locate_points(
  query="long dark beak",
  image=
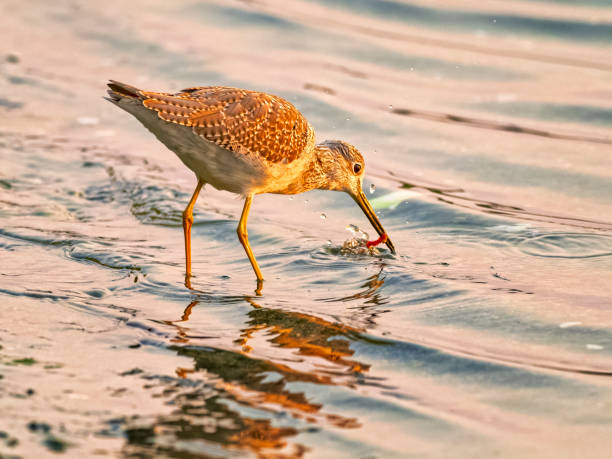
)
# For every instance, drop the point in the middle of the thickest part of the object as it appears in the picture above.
(363, 202)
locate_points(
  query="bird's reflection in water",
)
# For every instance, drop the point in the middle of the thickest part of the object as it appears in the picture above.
(309, 335)
(243, 399)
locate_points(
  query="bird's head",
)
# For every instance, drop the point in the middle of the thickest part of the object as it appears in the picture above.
(344, 168)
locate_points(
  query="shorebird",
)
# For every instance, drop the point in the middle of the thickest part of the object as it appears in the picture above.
(246, 142)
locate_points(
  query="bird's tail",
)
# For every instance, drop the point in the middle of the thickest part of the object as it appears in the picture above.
(118, 91)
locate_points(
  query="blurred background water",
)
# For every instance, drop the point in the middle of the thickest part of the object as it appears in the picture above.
(486, 131)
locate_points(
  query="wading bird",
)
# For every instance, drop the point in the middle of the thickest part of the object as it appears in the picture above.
(245, 142)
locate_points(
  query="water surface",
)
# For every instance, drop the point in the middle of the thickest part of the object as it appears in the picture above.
(486, 131)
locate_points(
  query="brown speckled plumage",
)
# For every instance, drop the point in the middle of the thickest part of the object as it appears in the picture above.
(240, 120)
(245, 142)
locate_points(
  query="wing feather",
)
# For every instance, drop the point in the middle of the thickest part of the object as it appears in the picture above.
(240, 120)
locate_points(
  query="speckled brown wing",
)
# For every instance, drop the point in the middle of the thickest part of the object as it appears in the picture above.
(240, 120)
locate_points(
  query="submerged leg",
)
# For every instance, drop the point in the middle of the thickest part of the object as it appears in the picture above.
(187, 222)
(243, 235)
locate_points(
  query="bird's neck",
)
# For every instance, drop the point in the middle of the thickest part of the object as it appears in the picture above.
(316, 174)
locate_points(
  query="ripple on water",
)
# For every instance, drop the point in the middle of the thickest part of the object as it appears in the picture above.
(568, 245)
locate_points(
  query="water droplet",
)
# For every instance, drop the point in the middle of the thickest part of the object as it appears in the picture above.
(329, 242)
(306, 201)
(372, 188)
(323, 216)
(390, 107)
(290, 198)
(357, 232)
(594, 347)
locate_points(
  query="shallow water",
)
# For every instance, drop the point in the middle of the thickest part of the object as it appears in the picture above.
(486, 133)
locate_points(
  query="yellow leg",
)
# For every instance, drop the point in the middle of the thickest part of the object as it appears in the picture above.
(243, 235)
(187, 222)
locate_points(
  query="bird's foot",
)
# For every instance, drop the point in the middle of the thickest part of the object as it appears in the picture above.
(188, 281)
(259, 287)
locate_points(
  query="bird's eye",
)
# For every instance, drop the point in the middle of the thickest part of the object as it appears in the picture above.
(356, 168)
